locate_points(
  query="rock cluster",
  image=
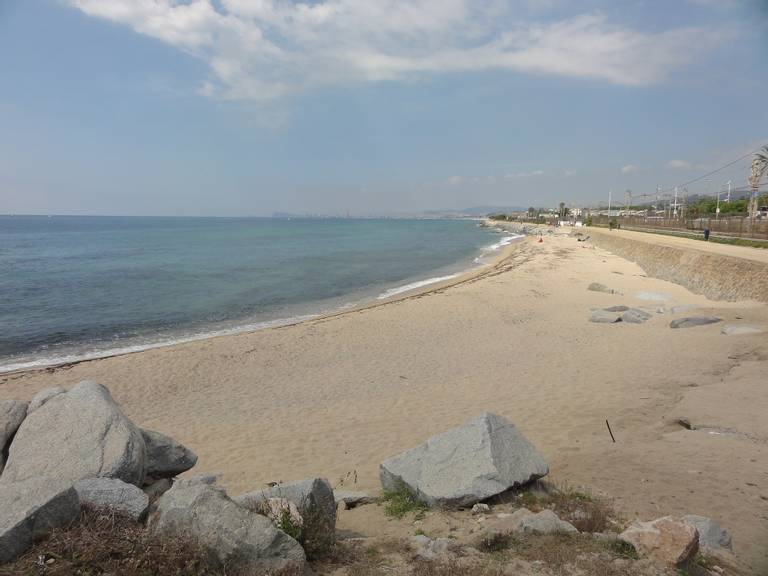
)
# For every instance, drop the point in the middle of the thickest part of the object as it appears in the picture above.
(72, 448)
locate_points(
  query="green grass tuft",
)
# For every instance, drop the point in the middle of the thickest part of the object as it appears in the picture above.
(400, 501)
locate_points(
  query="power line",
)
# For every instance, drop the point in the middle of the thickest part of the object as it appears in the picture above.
(723, 167)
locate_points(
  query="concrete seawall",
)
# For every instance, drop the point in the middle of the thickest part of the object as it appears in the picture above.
(716, 275)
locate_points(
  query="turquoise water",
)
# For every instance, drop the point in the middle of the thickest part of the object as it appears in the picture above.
(78, 287)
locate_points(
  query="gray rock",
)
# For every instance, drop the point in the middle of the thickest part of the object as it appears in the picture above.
(545, 522)
(481, 508)
(43, 396)
(621, 308)
(597, 287)
(428, 549)
(463, 466)
(158, 488)
(166, 458)
(712, 536)
(80, 434)
(12, 414)
(604, 317)
(30, 510)
(208, 479)
(233, 536)
(114, 495)
(313, 497)
(635, 316)
(351, 498)
(692, 321)
(739, 329)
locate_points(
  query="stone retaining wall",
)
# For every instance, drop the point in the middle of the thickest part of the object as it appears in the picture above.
(716, 276)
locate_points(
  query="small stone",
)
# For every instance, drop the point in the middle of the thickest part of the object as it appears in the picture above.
(114, 495)
(667, 539)
(597, 287)
(604, 317)
(480, 508)
(616, 309)
(739, 329)
(428, 549)
(692, 321)
(635, 316)
(352, 499)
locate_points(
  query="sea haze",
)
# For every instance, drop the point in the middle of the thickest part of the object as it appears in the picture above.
(79, 287)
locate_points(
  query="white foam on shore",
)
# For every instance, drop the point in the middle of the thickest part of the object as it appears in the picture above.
(96, 354)
(413, 285)
(93, 354)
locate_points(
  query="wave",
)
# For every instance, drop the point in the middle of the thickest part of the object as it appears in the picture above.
(95, 353)
(413, 285)
(84, 355)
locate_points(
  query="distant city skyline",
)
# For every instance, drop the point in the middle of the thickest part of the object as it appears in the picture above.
(251, 107)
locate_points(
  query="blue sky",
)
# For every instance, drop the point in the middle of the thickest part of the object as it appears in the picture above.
(248, 107)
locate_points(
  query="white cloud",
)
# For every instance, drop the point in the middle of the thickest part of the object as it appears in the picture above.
(263, 49)
(455, 180)
(569, 173)
(680, 164)
(629, 169)
(515, 175)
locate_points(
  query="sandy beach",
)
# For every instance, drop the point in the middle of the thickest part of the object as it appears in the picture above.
(340, 394)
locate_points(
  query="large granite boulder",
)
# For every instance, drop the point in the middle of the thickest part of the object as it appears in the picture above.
(114, 495)
(166, 457)
(313, 497)
(712, 537)
(43, 396)
(231, 535)
(667, 540)
(463, 466)
(79, 434)
(30, 510)
(12, 414)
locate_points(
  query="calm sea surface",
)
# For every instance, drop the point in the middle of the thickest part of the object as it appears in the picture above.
(74, 287)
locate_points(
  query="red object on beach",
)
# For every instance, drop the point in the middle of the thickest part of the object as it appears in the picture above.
(541, 239)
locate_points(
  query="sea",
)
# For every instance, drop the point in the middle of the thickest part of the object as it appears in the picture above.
(75, 288)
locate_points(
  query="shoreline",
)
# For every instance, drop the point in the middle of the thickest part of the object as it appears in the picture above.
(494, 258)
(335, 397)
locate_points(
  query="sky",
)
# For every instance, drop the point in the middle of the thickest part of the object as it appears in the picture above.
(251, 107)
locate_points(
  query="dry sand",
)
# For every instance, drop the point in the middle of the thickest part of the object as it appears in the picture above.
(340, 394)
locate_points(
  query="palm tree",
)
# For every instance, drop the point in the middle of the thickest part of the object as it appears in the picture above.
(759, 167)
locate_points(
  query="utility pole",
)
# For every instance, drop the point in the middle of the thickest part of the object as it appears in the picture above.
(717, 208)
(675, 209)
(627, 202)
(729, 191)
(610, 191)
